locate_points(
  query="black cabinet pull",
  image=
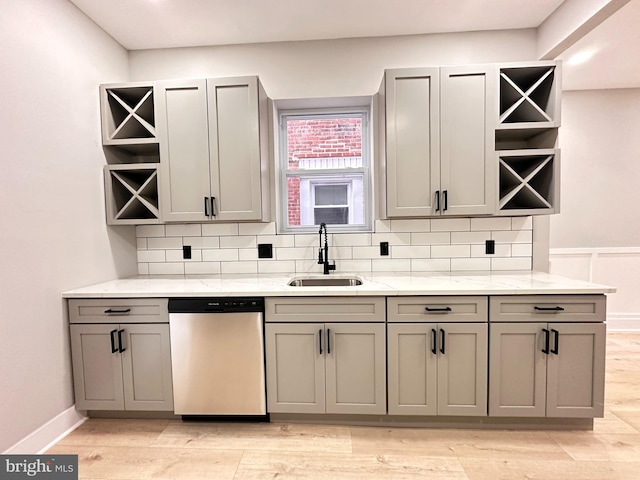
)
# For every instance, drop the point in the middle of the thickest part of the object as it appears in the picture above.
(112, 334)
(442, 341)
(320, 341)
(329, 341)
(545, 350)
(120, 349)
(446, 203)
(548, 309)
(113, 311)
(206, 206)
(438, 309)
(434, 341)
(213, 206)
(437, 200)
(556, 341)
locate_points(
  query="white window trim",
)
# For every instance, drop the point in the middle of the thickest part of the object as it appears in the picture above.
(284, 172)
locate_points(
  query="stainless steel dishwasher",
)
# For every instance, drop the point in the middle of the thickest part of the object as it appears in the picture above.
(217, 356)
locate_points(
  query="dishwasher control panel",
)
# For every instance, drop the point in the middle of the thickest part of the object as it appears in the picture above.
(216, 305)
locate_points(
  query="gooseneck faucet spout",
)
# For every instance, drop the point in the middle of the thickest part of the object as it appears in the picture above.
(323, 257)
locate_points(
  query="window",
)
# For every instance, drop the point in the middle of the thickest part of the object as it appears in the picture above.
(325, 171)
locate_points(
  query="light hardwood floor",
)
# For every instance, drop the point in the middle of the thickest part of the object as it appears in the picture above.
(171, 449)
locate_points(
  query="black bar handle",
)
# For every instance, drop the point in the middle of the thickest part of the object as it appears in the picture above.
(113, 340)
(114, 311)
(556, 340)
(545, 350)
(328, 341)
(206, 206)
(446, 202)
(437, 200)
(434, 341)
(120, 349)
(320, 341)
(442, 341)
(213, 206)
(438, 309)
(549, 309)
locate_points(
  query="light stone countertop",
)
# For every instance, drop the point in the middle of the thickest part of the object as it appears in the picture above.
(374, 284)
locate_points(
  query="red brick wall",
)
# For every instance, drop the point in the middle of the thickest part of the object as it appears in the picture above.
(337, 137)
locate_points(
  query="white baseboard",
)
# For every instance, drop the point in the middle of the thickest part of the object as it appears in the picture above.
(623, 322)
(50, 433)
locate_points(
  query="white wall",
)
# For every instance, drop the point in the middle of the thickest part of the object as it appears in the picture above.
(596, 236)
(332, 67)
(54, 236)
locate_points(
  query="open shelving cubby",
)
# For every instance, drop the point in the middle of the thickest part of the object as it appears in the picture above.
(132, 194)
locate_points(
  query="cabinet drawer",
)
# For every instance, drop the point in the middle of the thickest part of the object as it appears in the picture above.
(547, 308)
(325, 309)
(118, 310)
(437, 309)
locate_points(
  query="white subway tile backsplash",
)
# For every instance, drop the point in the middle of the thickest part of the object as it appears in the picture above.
(522, 223)
(150, 231)
(450, 251)
(241, 241)
(202, 268)
(184, 230)
(430, 265)
(433, 238)
(398, 265)
(470, 264)
(411, 225)
(239, 267)
(419, 245)
(518, 263)
(276, 266)
(164, 243)
(257, 228)
(501, 223)
(220, 255)
(166, 268)
(450, 224)
(516, 236)
(470, 237)
(408, 251)
(219, 229)
(151, 256)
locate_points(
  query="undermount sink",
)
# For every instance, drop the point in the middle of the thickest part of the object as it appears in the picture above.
(325, 282)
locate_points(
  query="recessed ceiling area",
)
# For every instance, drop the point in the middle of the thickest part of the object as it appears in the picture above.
(614, 42)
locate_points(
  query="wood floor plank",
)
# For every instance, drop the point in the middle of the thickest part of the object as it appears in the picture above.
(590, 446)
(631, 417)
(116, 432)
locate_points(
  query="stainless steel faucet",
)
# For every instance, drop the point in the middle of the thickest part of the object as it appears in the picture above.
(324, 259)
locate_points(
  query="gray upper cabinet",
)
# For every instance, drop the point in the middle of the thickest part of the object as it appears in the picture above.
(213, 150)
(440, 141)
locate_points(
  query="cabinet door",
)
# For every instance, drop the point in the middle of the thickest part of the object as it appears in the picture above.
(234, 136)
(462, 369)
(97, 372)
(412, 368)
(295, 367)
(184, 149)
(575, 370)
(146, 367)
(412, 141)
(518, 370)
(467, 165)
(356, 368)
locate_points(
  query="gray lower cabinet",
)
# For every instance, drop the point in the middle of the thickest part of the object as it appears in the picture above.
(121, 365)
(547, 369)
(437, 368)
(326, 368)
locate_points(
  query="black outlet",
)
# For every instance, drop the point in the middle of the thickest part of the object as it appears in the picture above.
(265, 250)
(384, 249)
(490, 247)
(186, 252)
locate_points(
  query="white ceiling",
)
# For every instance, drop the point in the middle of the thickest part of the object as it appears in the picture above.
(148, 24)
